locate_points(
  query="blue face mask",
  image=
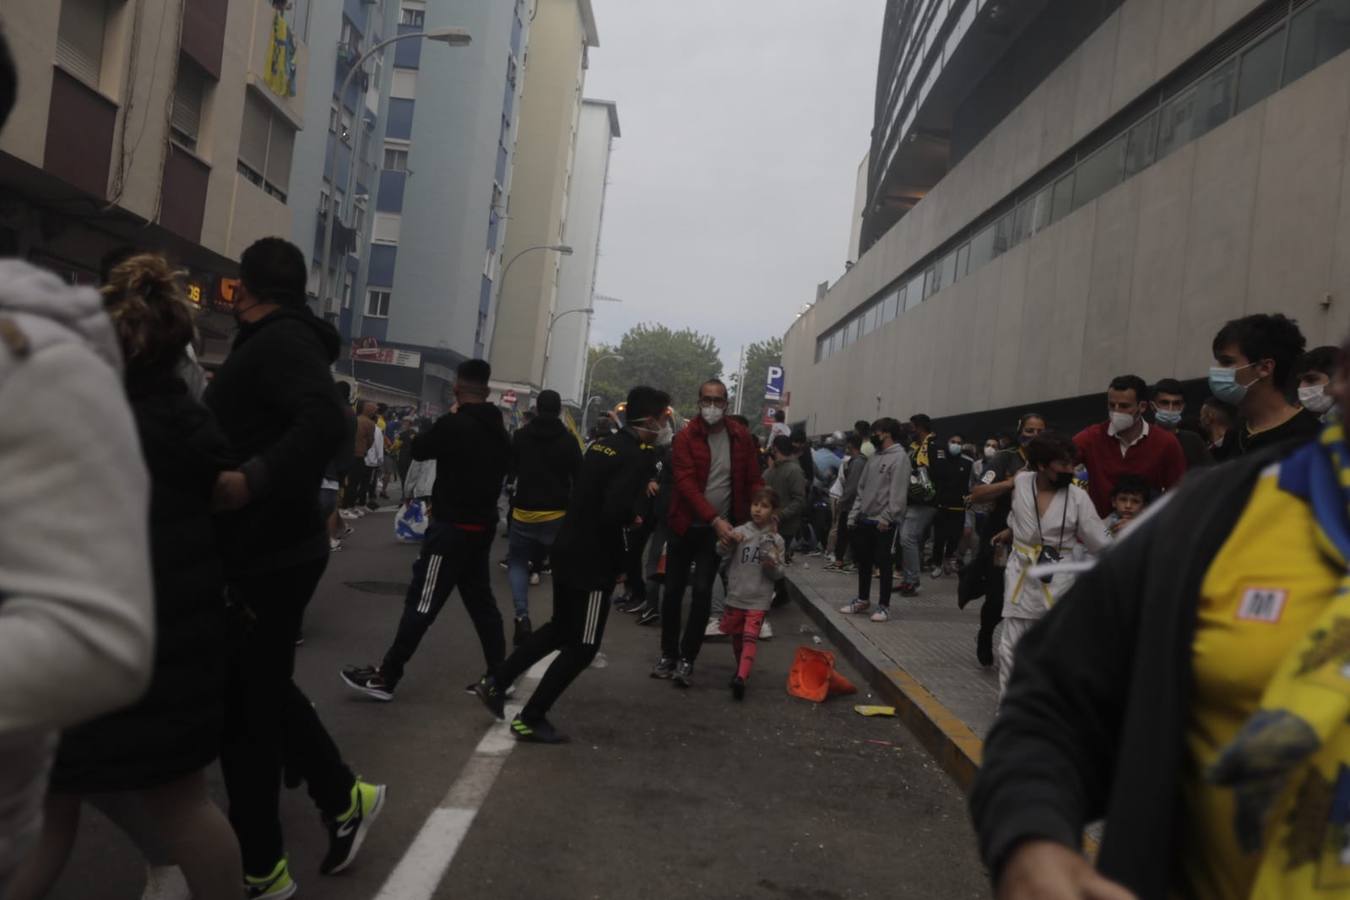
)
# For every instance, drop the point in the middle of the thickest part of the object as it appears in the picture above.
(1168, 418)
(1223, 384)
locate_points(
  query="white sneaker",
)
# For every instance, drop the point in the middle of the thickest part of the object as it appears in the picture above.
(360, 511)
(347, 514)
(534, 578)
(334, 545)
(165, 883)
(855, 607)
(881, 615)
(714, 628)
(937, 572)
(766, 631)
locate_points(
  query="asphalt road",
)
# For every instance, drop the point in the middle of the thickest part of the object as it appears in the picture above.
(662, 793)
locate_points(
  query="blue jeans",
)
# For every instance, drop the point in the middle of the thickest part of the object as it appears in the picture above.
(917, 520)
(529, 542)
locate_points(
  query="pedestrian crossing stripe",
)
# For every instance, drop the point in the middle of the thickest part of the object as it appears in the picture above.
(1262, 605)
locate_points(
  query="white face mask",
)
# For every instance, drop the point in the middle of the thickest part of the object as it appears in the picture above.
(1121, 422)
(989, 452)
(711, 414)
(665, 435)
(954, 449)
(1315, 398)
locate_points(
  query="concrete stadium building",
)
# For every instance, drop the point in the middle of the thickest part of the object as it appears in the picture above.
(1062, 191)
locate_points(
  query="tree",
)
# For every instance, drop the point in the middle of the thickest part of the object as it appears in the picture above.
(758, 357)
(674, 361)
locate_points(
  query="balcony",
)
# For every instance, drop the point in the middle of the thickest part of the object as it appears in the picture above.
(185, 180)
(79, 134)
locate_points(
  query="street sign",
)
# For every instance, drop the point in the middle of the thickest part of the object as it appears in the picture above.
(773, 385)
(509, 398)
(368, 350)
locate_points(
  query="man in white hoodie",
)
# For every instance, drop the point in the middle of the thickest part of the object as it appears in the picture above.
(76, 609)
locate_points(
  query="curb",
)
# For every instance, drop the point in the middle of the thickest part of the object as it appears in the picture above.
(956, 748)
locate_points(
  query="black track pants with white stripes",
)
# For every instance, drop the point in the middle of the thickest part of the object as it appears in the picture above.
(451, 558)
(575, 631)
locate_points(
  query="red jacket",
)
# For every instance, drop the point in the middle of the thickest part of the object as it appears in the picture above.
(690, 460)
(1157, 458)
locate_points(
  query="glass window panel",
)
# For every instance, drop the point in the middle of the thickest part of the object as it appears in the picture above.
(1100, 172)
(1021, 224)
(1199, 109)
(1140, 145)
(914, 292)
(835, 340)
(930, 278)
(1061, 201)
(1319, 32)
(279, 154)
(1003, 231)
(253, 133)
(946, 271)
(867, 322)
(850, 332)
(892, 306)
(981, 248)
(1259, 70)
(962, 260)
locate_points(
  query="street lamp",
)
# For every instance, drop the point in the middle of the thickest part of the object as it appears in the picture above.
(453, 37)
(586, 391)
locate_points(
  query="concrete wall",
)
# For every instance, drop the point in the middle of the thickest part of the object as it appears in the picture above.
(549, 110)
(576, 284)
(1255, 216)
(453, 155)
(859, 204)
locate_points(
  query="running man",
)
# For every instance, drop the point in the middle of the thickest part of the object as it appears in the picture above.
(471, 448)
(588, 555)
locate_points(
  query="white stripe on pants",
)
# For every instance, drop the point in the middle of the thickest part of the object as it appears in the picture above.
(429, 584)
(592, 617)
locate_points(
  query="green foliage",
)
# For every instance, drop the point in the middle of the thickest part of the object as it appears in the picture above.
(674, 361)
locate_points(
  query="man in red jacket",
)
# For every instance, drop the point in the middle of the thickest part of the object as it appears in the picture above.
(716, 469)
(1127, 445)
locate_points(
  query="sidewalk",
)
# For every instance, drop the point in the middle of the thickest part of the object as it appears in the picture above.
(922, 661)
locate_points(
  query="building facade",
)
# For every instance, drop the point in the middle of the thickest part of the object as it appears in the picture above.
(125, 134)
(563, 33)
(1177, 164)
(566, 354)
(423, 225)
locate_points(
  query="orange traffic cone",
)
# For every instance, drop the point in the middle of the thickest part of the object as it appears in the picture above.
(812, 676)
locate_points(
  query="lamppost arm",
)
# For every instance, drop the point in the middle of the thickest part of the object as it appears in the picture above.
(452, 36)
(586, 389)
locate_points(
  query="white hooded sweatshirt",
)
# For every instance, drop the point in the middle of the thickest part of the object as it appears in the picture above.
(76, 604)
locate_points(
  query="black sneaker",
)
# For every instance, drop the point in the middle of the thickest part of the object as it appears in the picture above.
(369, 681)
(631, 604)
(541, 732)
(905, 589)
(684, 673)
(649, 616)
(347, 833)
(738, 687)
(523, 631)
(503, 564)
(493, 699)
(664, 668)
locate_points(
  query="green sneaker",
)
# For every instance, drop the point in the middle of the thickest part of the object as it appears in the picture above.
(278, 885)
(541, 732)
(347, 832)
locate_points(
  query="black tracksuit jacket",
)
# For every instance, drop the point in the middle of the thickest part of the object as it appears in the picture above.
(471, 449)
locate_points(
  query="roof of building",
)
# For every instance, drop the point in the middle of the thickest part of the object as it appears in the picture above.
(613, 112)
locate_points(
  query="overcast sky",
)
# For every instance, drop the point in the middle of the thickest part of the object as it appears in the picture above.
(731, 189)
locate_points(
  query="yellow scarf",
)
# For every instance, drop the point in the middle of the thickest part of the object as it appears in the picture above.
(1289, 765)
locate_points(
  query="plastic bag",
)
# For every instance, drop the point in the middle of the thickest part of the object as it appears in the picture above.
(921, 487)
(410, 525)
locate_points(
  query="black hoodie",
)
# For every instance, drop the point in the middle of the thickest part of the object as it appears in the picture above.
(275, 401)
(545, 460)
(471, 449)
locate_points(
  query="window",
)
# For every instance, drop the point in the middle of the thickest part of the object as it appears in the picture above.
(1198, 110)
(962, 259)
(1003, 234)
(186, 119)
(333, 119)
(1100, 172)
(1318, 32)
(1032, 215)
(1259, 70)
(1061, 201)
(914, 292)
(415, 18)
(347, 285)
(346, 126)
(386, 229)
(358, 216)
(930, 282)
(981, 247)
(946, 271)
(266, 141)
(405, 85)
(894, 303)
(377, 304)
(1141, 145)
(850, 332)
(79, 38)
(324, 201)
(395, 158)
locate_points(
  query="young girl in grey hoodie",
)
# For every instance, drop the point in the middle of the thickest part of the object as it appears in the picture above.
(757, 552)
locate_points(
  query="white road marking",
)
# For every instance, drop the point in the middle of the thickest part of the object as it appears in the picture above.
(420, 871)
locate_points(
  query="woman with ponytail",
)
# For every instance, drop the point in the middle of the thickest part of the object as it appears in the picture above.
(154, 754)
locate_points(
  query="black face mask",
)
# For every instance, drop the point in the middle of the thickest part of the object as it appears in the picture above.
(876, 441)
(1061, 480)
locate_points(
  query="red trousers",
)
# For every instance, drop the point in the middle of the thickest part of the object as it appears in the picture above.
(743, 625)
